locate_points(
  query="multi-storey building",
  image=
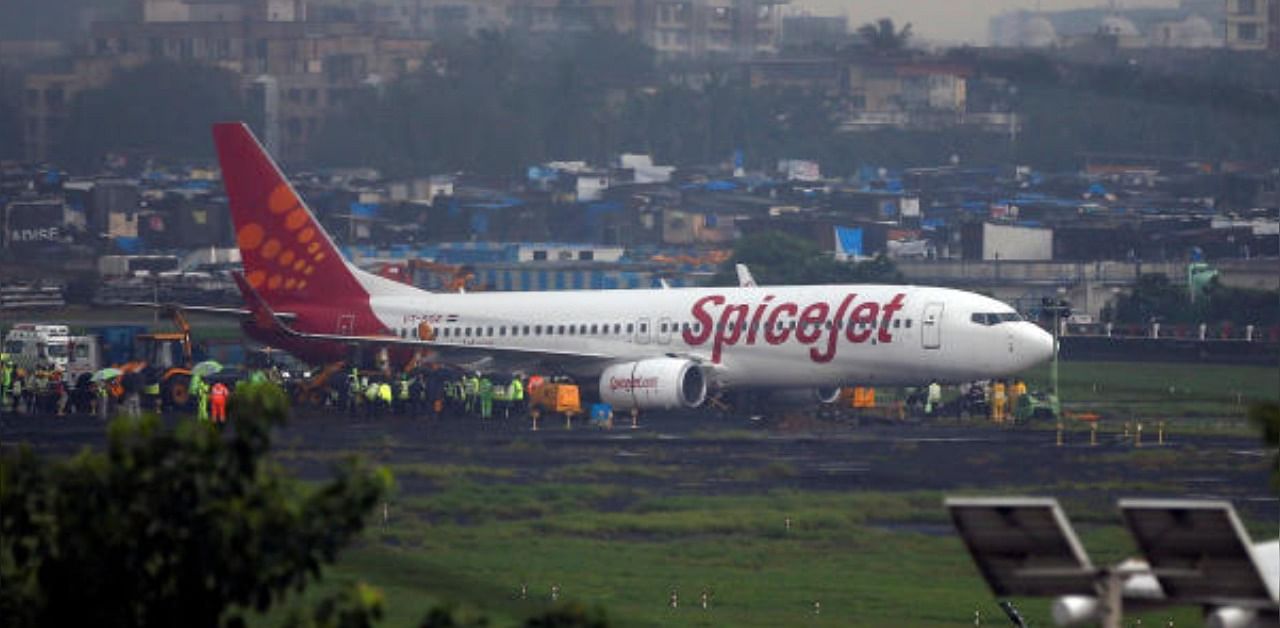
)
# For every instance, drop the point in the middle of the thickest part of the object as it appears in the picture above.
(296, 71)
(1249, 24)
(675, 28)
(1273, 25)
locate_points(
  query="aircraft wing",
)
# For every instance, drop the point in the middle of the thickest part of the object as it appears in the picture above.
(207, 309)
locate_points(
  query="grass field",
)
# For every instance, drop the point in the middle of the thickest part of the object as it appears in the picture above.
(1161, 391)
(866, 571)
(621, 533)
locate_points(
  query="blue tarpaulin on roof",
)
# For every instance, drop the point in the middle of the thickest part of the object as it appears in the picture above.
(719, 185)
(849, 241)
(128, 245)
(503, 202)
(365, 210)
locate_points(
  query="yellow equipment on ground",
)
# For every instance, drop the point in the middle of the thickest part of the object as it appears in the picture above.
(556, 397)
(864, 397)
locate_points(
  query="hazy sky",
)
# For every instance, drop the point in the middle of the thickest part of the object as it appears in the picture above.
(949, 20)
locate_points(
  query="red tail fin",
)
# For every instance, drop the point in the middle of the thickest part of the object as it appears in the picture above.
(288, 257)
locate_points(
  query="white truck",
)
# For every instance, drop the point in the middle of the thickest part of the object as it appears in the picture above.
(36, 345)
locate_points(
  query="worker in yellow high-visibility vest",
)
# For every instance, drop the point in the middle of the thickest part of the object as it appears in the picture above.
(999, 401)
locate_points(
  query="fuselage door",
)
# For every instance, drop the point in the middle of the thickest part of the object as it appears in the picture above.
(347, 325)
(642, 331)
(931, 326)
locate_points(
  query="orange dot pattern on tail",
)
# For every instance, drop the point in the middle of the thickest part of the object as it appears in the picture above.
(280, 266)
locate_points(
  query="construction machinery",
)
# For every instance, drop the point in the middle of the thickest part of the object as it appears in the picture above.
(313, 390)
(166, 357)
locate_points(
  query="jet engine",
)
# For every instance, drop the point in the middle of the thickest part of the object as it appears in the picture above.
(805, 396)
(657, 383)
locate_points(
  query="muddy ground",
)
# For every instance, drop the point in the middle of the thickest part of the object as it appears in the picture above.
(696, 454)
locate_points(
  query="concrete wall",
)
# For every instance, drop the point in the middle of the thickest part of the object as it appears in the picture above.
(1009, 242)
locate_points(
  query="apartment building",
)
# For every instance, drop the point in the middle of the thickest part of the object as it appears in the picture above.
(675, 28)
(298, 71)
(1251, 24)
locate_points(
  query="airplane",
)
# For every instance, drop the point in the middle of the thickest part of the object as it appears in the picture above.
(646, 349)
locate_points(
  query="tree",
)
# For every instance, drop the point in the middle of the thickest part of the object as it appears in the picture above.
(881, 35)
(162, 110)
(176, 527)
(1154, 297)
(777, 258)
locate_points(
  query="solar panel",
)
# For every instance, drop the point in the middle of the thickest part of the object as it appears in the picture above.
(1023, 545)
(1198, 551)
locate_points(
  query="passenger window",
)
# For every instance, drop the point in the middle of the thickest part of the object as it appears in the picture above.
(631, 328)
(468, 332)
(897, 323)
(617, 328)
(525, 331)
(595, 329)
(571, 330)
(582, 329)
(560, 330)
(908, 323)
(502, 331)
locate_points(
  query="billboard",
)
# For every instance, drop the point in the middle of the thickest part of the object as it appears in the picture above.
(30, 225)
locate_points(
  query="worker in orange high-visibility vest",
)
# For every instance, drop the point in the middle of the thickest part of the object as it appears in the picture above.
(218, 400)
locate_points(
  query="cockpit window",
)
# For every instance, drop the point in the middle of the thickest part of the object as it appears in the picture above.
(995, 318)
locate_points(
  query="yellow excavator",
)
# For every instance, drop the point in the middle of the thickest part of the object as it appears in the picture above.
(166, 357)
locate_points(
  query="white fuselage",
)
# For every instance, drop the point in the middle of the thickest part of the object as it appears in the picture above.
(765, 337)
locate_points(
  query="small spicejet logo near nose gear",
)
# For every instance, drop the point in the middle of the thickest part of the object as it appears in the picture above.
(727, 324)
(288, 259)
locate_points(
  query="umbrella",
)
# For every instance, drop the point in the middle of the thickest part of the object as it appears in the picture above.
(206, 368)
(105, 374)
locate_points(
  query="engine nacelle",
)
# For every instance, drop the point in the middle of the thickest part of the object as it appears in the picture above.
(828, 395)
(804, 396)
(654, 384)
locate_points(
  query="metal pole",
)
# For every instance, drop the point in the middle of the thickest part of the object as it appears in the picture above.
(1053, 367)
(1112, 600)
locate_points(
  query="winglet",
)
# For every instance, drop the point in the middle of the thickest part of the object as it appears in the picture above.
(745, 280)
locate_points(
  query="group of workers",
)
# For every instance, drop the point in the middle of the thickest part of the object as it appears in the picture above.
(46, 391)
(432, 392)
(995, 399)
(39, 390)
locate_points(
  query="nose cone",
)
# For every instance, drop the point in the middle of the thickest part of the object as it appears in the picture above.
(1036, 346)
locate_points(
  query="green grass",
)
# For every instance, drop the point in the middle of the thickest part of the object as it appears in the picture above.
(1153, 391)
(842, 550)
